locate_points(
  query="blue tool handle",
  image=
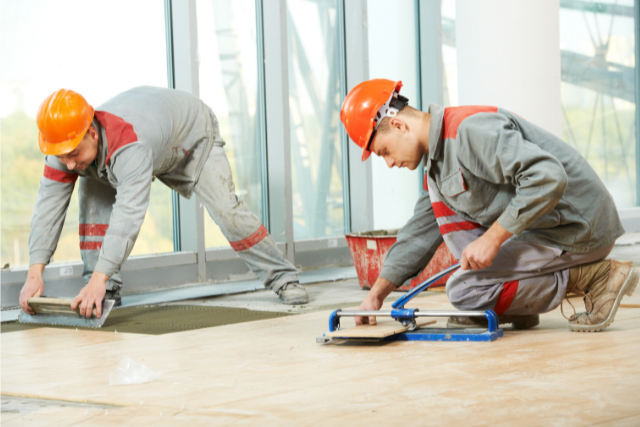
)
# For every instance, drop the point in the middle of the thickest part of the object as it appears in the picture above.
(422, 286)
(492, 318)
(404, 314)
(334, 321)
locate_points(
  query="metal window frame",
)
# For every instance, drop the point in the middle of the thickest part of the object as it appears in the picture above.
(637, 45)
(430, 65)
(276, 77)
(357, 70)
(344, 138)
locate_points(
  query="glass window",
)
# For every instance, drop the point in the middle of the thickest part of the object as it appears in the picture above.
(449, 53)
(597, 46)
(103, 53)
(393, 29)
(229, 85)
(314, 102)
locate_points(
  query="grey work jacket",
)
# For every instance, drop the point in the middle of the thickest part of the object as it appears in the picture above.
(145, 132)
(488, 164)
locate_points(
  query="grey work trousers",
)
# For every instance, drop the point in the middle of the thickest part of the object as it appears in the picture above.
(245, 232)
(525, 278)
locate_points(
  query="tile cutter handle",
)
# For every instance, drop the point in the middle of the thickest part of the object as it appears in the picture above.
(400, 303)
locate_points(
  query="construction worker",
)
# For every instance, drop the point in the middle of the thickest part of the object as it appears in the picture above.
(117, 151)
(526, 216)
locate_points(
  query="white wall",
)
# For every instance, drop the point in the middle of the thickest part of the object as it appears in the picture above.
(392, 55)
(509, 56)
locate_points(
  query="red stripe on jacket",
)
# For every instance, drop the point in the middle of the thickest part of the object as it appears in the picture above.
(453, 116)
(440, 210)
(59, 176)
(119, 133)
(90, 246)
(505, 299)
(458, 226)
(93, 229)
(244, 244)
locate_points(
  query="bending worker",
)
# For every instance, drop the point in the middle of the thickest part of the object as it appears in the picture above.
(116, 151)
(528, 218)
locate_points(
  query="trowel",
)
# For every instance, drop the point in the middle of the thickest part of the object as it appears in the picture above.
(57, 311)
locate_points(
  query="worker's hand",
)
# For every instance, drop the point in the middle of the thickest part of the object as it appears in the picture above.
(369, 303)
(33, 287)
(91, 295)
(374, 300)
(480, 253)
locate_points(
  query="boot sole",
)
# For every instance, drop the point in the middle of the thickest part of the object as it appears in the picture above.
(627, 289)
(295, 301)
(518, 324)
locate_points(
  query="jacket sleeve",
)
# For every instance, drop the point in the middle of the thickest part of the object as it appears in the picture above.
(416, 244)
(50, 210)
(132, 167)
(492, 148)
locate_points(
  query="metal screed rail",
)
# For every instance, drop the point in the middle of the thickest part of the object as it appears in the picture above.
(407, 317)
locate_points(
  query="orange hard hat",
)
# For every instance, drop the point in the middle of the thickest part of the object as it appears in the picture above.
(362, 109)
(63, 119)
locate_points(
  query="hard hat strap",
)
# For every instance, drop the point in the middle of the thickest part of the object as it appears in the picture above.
(394, 104)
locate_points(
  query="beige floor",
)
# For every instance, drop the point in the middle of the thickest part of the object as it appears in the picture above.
(272, 372)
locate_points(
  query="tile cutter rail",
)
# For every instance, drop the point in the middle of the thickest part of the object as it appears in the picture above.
(407, 317)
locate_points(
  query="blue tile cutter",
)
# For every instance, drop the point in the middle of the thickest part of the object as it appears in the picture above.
(408, 316)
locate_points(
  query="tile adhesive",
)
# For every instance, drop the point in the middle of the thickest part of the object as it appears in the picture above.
(158, 320)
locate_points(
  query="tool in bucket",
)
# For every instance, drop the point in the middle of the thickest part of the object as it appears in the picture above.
(57, 312)
(408, 328)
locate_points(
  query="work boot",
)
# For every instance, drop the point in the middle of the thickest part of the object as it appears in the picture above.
(114, 295)
(603, 284)
(293, 294)
(518, 322)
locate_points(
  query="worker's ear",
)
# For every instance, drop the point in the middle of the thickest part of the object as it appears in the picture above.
(399, 124)
(92, 132)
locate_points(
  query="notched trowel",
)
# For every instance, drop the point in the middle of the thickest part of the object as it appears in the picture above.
(57, 311)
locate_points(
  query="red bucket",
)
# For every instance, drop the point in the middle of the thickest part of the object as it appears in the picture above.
(369, 248)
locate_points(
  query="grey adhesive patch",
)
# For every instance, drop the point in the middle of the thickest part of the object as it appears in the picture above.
(26, 405)
(165, 319)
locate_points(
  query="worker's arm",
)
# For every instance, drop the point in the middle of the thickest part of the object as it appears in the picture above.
(132, 166)
(50, 210)
(480, 253)
(33, 287)
(91, 295)
(52, 201)
(492, 148)
(416, 243)
(374, 300)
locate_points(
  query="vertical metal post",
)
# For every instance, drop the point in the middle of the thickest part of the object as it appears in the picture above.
(431, 68)
(416, 5)
(276, 77)
(189, 214)
(261, 119)
(637, 44)
(357, 71)
(419, 82)
(175, 200)
(344, 139)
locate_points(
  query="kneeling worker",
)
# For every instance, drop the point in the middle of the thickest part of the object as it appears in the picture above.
(116, 152)
(528, 218)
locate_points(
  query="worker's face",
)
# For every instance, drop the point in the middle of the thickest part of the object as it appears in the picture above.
(399, 147)
(84, 154)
